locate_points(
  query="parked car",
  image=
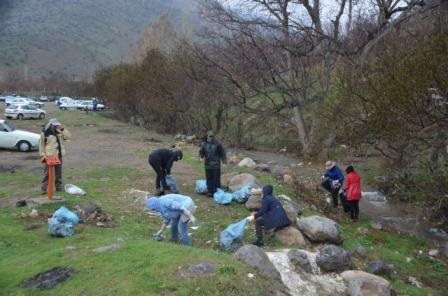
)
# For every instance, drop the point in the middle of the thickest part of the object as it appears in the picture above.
(43, 98)
(10, 138)
(24, 101)
(23, 112)
(88, 105)
(69, 105)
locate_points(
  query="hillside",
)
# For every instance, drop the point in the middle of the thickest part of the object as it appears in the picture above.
(40, 37)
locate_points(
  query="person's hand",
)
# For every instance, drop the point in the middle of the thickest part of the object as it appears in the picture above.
(192, 219)
(250, 218)
(158, 236)
(323, 177)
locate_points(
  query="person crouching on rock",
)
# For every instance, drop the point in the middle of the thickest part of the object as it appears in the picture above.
(176, 209)
(270, 216)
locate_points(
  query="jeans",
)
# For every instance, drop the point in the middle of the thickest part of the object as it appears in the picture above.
(177, 224)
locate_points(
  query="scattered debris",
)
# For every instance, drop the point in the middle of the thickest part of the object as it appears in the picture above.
(107, 248)
(92, 214)
(48, 279)
(433, 253)
(21, 203)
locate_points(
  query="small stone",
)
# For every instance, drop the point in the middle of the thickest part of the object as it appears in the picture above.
(360, 251)
(408, 259)
(250, 275)
(376, 225)
(413, 281)
(433, 253)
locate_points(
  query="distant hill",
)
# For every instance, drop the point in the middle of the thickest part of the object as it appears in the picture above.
(76, 37)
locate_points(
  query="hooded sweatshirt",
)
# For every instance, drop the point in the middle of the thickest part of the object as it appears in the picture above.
(171, 206)
(272, 211)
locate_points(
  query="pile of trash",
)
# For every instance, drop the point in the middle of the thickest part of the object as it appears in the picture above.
(92, 214)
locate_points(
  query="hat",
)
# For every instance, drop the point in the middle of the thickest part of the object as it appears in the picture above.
(329, 164)
(54, 121)
(210, 134)
(152, 202)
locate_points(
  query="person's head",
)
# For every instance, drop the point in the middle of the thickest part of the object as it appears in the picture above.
(53, 124)
(210, 136)
(329, 165)
(179, 155)
(349, 169)
(267, 190)
(151, 203)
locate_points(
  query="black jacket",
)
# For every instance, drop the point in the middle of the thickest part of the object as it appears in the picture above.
(271, 210)
(213, 153)
(163, 158)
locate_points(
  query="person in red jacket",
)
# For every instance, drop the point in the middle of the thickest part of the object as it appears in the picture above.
(353, 190)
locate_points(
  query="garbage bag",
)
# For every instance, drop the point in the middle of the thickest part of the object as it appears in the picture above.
(201, 186)
(232, 234)
(172, 184)
(65, 214)
(242, 195)
(60, 227)
(221, 197)
(73, 189)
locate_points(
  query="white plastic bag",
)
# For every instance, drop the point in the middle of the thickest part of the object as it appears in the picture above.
(73, 189)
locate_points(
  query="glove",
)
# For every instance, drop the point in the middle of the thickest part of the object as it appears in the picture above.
(158, 236)
(250, 218)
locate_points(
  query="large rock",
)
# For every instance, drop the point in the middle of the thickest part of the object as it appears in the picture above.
(360, 283)
(299, 259)
(233, 159)
(262, 167)
(225, 179)
(253, 203)
(379, 267)
(239, 181)
(247, 162)
(257, 258)
(332, 258)
(320, 230)
(292, 209)
(290, 236)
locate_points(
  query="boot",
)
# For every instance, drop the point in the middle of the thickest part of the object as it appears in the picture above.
(258, 243)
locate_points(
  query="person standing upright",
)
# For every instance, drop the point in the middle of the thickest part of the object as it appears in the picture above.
(332, 180)
(51, 143)
(353, 190)
(213, 154)
(161, 160)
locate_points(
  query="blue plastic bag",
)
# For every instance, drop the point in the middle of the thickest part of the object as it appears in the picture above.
(65, 213)
(232, 234)
(201, 186)
(242, 195)
(60, 227)
(62, 223)
(172, 183)
(221, 197)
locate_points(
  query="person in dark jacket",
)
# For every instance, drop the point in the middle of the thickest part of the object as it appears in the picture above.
(272, 215)
(161, 160)
(213, 153)
(332, 180)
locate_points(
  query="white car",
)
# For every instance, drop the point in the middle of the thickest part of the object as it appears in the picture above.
(25, 101)
(88, 105)
(11, 138)
(69, 105)
(43, 98)
(24, 111)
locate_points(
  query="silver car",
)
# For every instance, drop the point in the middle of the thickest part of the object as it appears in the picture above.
(24, 111)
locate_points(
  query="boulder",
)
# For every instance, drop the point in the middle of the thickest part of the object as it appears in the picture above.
(225, 179)
(379, 267)
(290, 236)
(233, 159)
(320, 229)
(262, 167)
(239, 181)
(247, 162)
(257, 258)
(332, 258)
(253, 203)
(299, 259)
(360, 283)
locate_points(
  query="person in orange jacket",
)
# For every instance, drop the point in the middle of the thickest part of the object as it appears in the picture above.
(353, 190)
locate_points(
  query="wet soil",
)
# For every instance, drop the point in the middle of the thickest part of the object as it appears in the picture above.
(48, 279)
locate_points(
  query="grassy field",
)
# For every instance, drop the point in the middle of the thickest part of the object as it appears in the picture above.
(108, 158)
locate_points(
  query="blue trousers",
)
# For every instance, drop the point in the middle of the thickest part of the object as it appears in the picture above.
(177, 224)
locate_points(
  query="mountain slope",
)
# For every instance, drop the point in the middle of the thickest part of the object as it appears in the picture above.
(76, 37)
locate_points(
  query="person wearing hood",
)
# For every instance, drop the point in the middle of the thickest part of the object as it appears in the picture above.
(213, 153)
(161, 160)
(177, 210)
(332, 180)
(271, 215)
(51, 143)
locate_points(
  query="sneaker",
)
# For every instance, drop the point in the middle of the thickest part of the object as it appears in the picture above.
(258, 243)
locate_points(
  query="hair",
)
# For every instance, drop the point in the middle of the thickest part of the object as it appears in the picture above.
(349, 169)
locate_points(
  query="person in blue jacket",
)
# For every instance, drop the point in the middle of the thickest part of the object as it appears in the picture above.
(175, 209)
(272, 215)
(332, 180)
(161, 160)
